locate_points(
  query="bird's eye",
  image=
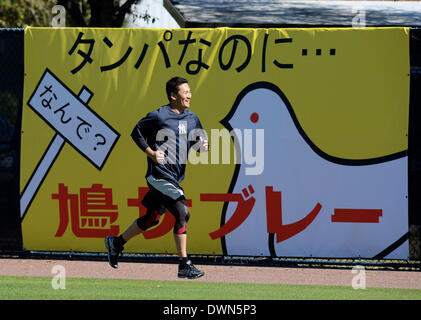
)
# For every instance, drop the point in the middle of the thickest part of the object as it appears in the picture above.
(254, 117)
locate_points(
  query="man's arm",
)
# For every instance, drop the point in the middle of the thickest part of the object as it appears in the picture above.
(143, 128)
(156, 156)
(202, 144)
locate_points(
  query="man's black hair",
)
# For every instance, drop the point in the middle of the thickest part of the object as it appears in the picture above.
(172, 86)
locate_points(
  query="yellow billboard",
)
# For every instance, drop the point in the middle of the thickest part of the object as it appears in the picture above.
(344, 92)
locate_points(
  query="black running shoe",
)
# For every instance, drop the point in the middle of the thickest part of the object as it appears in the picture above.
(189, 271)
(113, 251)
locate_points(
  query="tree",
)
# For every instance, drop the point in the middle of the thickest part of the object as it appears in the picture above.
(22, 13)
(79, 13)
(102, 13)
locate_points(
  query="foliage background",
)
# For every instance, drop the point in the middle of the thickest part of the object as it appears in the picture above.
(79, 13)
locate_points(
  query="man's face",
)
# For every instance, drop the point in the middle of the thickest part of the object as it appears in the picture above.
(183, 96)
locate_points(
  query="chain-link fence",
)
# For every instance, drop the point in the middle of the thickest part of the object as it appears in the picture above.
(11, 89)
(414, 148)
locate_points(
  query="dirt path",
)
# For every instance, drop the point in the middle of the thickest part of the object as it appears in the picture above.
(239, 274)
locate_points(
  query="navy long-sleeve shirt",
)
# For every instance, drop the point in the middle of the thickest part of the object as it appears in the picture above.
(171, 132)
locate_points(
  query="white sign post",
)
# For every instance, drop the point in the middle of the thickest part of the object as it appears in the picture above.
(74, 122)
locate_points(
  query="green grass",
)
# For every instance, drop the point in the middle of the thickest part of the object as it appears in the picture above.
(40, 288)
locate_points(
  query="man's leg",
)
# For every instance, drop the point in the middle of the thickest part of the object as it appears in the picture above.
(115, 245)
(181, 244)
(132, 231)
(181, 213)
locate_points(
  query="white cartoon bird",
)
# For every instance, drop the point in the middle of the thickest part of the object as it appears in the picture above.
(308, 203)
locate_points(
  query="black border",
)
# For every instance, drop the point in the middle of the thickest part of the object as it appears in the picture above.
(392, 247)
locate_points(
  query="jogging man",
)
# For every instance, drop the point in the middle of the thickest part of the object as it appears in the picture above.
(166, 136)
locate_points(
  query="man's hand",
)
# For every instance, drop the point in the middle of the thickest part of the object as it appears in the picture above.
(156, 156)
(204, 144)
